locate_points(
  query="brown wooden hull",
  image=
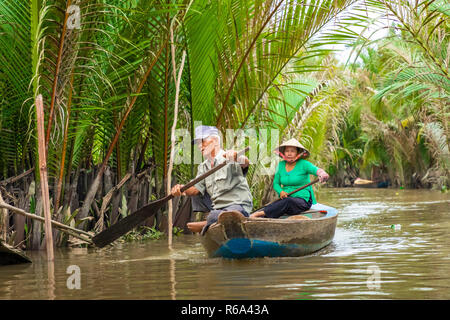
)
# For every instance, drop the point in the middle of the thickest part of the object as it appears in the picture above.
(235, 236)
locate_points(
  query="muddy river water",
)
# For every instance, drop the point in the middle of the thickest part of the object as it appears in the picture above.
(368, 259)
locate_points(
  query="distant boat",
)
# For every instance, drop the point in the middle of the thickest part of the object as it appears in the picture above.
(363, 183)
(235, 236)
(11, 255)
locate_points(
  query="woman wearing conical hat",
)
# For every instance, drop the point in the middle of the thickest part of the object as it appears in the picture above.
(292, 173)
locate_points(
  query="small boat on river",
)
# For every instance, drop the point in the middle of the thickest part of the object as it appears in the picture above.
(363, 183)
(11, 255)
(236, 237)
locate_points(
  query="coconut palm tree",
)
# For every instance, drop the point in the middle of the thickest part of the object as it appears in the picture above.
(103, 70)
(90, 60)
(400, 95)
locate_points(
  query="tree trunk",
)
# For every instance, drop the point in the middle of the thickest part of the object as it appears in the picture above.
(145, 196)
(73, 197)
(4, 223)
(19, 221)
(99, 194)
(24, 203)
(90, 196)
(161, 218)
(36, 233)
(108, 180)
(115, 207)
(134, 193)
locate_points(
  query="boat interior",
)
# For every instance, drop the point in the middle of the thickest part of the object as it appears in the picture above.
(311, 215)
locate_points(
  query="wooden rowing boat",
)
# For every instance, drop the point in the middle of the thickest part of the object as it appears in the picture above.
(363, 183)
(235, 236)
(11, 255)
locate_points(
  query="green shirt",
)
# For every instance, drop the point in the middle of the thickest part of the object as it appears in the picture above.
(226, 186)
(294, 179)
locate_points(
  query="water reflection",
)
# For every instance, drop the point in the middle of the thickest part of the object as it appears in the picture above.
(413, 262)
(51, 280)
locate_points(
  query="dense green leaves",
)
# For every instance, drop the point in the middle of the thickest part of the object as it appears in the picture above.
(254, 65)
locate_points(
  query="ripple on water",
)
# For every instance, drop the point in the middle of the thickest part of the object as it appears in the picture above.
(411, 263)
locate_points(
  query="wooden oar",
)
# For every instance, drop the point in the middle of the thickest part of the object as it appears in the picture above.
(296, 190)
(123, 226)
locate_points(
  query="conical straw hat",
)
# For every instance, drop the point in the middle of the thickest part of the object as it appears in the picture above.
(292, 143)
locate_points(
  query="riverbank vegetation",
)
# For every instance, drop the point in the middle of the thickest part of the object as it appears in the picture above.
(106, 71)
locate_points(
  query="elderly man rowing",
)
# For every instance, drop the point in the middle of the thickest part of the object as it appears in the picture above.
(227, 188)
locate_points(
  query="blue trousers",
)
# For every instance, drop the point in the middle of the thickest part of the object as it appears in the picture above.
(287, 206)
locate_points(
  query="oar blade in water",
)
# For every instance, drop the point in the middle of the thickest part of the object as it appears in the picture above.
(128, 223)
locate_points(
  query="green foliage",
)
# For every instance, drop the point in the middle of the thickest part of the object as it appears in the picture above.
(108, 86)
(177, 231)
(143, 234)
(399, 99)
